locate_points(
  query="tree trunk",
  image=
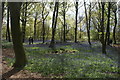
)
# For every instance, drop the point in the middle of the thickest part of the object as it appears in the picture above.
(87, 24)
(102, 29)
(54, 22)
(64, 35)
(1, 18)
(43, 31)
(20, 57)
(107, 38)
(61, 30)
(24, 22)
(43, 23)
(53, 31)
(80, 32)
(47, 33)
(114, 29)
(76, 6)
(3, 3)
(35, 25)
(6, 35)
(8, 31)
(0, 26)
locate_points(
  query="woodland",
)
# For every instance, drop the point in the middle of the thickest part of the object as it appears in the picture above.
(73, 39)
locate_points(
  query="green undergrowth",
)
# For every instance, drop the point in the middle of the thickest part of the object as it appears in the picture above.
(69, 62)
(6, 44)
(9, 60)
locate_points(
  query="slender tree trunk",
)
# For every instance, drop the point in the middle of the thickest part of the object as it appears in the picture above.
(64, 36)
(20, 57)
(8, 31)
(114, 29)
(43, 31)
(61, 30)
(76, 6)
(6, 35)
(53, 21)
(47, 33)
(108, 26)
(35, 26)
(54, 24)
(43, 25)
(87, 24)
(24, 22)
(43, 21)
(102, 29)
(80, 32)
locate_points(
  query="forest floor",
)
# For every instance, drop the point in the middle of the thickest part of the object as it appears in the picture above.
(9, 53)
(21, 74)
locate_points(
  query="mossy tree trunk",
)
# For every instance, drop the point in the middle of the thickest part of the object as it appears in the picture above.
(20, 57)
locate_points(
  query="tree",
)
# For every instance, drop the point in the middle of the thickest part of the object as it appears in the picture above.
(115, 21)
(87, 22)
(65, 7)
(1, 18)
(24, 20)
(54, 22)
(20, 57)
(64, 24)
(107, 38)
(8, 31)
(79, 22)
(76, 7)
(35, 20)
(44, 16)
(2, 9)
(102, 30)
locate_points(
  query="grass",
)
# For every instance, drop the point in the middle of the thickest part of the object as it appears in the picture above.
(70, 62)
